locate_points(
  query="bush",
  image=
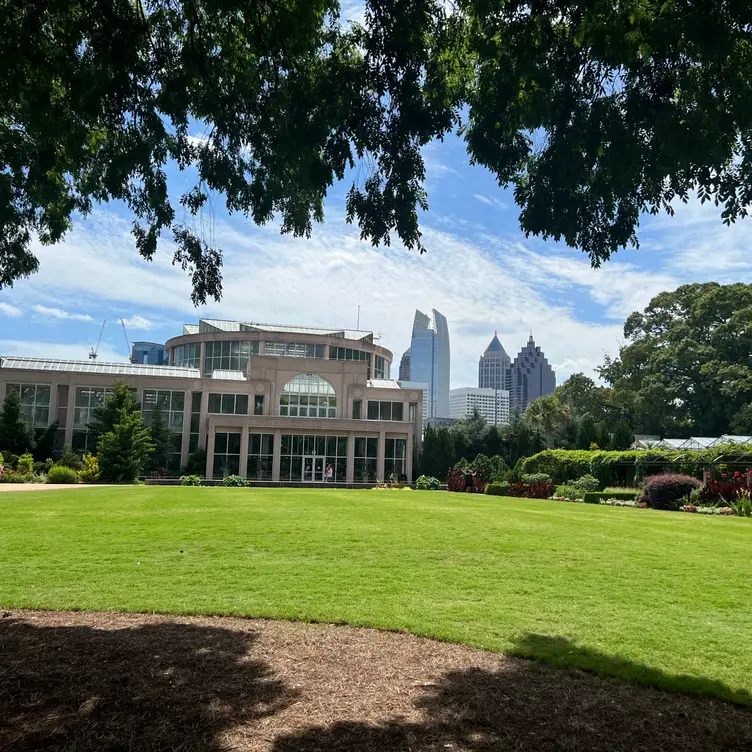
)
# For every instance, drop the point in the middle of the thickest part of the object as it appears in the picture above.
(596, 497)
(196, 464)
(69, 458)
(10, 476)
(535, 478)
(667, 491)
(62, 474)
(235, 481)
(560, 464)
(497, 489)
(586, 483)
(25, 464)
(190, 480)
(568, 491)
(743, 505)
(531, 491)
(89, 472)
(424, 483)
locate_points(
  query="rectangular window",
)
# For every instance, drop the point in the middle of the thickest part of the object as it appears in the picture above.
(366, 459)
(412, 412)
(226, 454)
(357, 409)
(380, 368)
(195, 435)
(229, 355)
(293, 350)
(173, 407)
(35, 403)
(188, 356)
(395, 459)
(308, 458)
(346, 353)
(383, 410)
(260, 456)
(258, 404)
(228, 404)
(87, 399)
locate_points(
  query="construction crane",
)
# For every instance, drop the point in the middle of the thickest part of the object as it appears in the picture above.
(94, 352)
(127, 341)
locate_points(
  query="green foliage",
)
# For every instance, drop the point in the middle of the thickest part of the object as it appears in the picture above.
(595, 497)
(497, 489)
(587, 433)
(438, 452)
(425, 483)
(124, 451)
(622, 437)
(196, 463)
(568, 491)
(586, 483)
(550, 416)
(11, 476)
(190, 480)
(25, 464)
(234, 481)
(560, 464)
(107, 415)
(62, 474)
(743, 505)
(89, 472)
(15, 435)
(69, 458)
(535, 478)
(2, 459)
(160, 438)
(44, 444)
(668, 490)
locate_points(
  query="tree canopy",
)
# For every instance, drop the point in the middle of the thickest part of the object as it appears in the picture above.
(595, 112)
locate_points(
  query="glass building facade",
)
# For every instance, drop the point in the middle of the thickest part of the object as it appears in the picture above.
(430, 360)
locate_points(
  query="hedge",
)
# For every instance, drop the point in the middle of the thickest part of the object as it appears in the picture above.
(595, 497)
(560, 464)
(497, 489)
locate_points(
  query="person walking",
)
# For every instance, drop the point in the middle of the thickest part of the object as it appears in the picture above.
(468, 480)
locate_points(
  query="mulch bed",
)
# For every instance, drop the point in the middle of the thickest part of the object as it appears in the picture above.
(86, 681)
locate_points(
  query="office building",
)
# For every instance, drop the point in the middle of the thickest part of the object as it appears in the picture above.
(430, 360)
(404, 366)
(492, 404)
(268, 402)
(531, 376)
(493, 368)
(149, 354)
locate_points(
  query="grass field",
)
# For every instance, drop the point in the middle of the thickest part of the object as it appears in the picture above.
(658, 598)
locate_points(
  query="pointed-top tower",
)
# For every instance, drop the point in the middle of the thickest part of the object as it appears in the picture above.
(531, 376)
(493, 368)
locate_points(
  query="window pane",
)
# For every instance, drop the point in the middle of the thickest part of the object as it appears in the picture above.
(241, 404)
(178, 401)
(373, 410)
(233, 443)
(389, 451)
(254, 445)
(320, 445)
(385, 410)
(220, 443)
(228, 404)
(43, 395)
(331, 446)
(397, 410)
(357, 406)
(373, 447)
(267, 443)
(360, 446)
(342, 446)
(215, 403)
(286, 444)
(258, 404)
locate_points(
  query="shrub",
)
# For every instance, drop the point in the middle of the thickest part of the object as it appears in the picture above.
(1, 458)
(728, 486)
(586, 483)
(530, 491)
(424, 483)
(69, 458)
(560, 464)
(568, 491)
(743, 505)
(62, 474)
(25, 464)
(190, 480)
(89, 472)
(10, 476)
(667, 491)
(497, 489)
(196, 464)
(535, 478)
(596, 497)
(235, 481)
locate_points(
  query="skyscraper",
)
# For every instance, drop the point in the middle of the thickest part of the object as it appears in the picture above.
(149, 353)
(531, 376)
(429, 360)
(404, 367)
(493, 368)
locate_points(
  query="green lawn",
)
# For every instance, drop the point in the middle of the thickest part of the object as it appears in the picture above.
(659, 598)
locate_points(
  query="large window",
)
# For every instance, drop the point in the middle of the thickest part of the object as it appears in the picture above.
(228, 404)
(293, 350)
(188, 356)
(380, 368)
(173, 407)
(395, 458)
(382, 410)
(346, 353)
(195, 429)
(308, 458)
(229, 355)
(35, 403)
(260, 456)
(226, 454)
(88, 398)
(308, 396)
(366, 459)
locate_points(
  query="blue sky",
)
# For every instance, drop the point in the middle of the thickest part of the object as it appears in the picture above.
(480, 271)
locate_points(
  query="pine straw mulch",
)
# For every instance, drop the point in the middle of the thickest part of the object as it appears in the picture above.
(87, 681)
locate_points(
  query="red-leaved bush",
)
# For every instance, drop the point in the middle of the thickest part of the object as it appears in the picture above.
(667, 491)
(728, 487)
(531, 490)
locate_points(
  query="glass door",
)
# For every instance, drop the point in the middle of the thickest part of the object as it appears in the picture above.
(313, 469)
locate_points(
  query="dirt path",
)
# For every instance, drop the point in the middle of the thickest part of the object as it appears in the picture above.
(82, 681)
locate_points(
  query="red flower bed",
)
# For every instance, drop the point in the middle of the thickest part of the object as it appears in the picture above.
(727, 487)
(531, 491)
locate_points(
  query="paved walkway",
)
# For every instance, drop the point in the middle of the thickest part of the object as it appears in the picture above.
(47, 486)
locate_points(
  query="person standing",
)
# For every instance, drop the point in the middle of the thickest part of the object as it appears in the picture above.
(329, 473)
(468, 480)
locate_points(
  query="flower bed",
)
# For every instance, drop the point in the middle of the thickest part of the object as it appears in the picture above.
(702, 509)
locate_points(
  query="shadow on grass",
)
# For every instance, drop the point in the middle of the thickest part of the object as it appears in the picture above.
(162, 686)
(527, 706)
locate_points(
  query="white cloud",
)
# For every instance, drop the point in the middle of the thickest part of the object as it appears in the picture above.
(59, 313)
(493, 202)
(138, 322)
(6, 309)
(61, 350)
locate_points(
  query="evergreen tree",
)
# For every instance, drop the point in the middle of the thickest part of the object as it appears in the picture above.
(623, 436)
(160, 438)
(45, 444)
(124, 451)
(105, 416)
(604, 437)
(588, 433)
(15, 434)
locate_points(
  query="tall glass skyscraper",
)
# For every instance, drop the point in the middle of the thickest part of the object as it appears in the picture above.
(430, 361)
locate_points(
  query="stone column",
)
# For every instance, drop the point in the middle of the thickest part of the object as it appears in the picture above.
(186, 440)
(409, 453)
(243, 470)
(53, 404)
(210, 455)
(350, 473)
(380, 462)
(203, 420)
(71, 412)
(277, 453)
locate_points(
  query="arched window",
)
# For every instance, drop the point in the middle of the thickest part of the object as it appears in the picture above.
(308, 395)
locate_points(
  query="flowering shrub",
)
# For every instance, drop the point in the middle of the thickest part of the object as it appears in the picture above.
(424, 483)
(531, 490)
(728, 486)
(666, 491)
(701, 509)
(190, 480)
(624, 503)
(235, 481)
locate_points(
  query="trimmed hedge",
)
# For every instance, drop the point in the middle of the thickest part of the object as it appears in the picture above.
(667, 491)
(560, 464)
(62, 474)
(497, 489)
(595, 497)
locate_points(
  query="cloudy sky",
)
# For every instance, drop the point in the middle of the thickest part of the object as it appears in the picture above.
(480, 272)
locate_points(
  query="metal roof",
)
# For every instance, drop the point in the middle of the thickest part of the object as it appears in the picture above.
(95, 366)
(222, 325)
(384, 384)
(228, 375)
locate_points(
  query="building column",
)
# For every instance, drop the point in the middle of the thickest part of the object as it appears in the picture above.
(243, 469)
(277, 454)
(186, 440)
(203, 423)
(53, 404)
(71, 413)
(380, 462)
(350, 472)
(409, 451)
(210, 454)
